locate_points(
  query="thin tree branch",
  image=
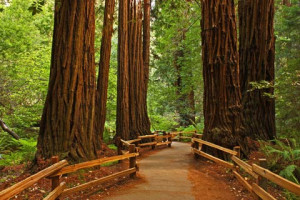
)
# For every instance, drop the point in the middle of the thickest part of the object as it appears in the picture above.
(6, 129)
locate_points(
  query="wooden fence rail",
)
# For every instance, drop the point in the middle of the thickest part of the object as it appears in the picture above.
(180, 135)
(55, 171)
(260, 174)
(155, 140)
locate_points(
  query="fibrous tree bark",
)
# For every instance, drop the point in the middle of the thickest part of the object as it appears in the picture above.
(122, 122)
(257, 55)
(137, 75)
(146, 64)
(185, 104)
(221, 73)
(67, 125)
(102, 83)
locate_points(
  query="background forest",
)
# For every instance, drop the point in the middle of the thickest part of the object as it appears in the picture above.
(175, 86)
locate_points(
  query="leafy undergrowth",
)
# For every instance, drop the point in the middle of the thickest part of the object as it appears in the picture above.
(16, 152)
(283, 158)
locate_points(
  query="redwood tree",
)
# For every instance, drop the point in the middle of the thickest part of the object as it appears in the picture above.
(67, 125)
(136, 73)
(146, 64)
(102, 83)
(122, 122)
(221, 73)
(257, 55)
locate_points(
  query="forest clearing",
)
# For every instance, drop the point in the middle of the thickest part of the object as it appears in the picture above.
(150, 99)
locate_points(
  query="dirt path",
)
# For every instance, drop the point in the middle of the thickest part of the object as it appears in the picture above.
(171, 174)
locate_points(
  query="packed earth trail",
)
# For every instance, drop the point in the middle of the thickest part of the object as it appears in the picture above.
(171, 174)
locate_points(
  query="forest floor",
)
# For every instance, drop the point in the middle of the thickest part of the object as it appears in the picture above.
(165, 173)
(172, 173)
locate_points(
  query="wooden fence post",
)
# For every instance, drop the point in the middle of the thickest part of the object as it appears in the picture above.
(132, 160)
(262, 182)
(154, 139)
(238, 150)
(54, 180)
(164, 134)
(169, 140)
(180, 135)
(196, 146)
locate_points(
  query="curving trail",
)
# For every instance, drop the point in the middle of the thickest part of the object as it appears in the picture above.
(168, 175)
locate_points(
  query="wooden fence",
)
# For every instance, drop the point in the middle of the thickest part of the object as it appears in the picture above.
(59, 168)
(181, 136)
(260, 174)
(125, 147)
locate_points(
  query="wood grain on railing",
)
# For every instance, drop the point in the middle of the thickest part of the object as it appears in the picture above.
(88, 164)
(146, 136)
(217, 160)
(292, 187)
(126, 143)
(20, 186)
(242, 181)
(261, 192)
(147, 144)
(216, 146)
(133, 141)
(56, 192)
(97, 182)
(245, 166)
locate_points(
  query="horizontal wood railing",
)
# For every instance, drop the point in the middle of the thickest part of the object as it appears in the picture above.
(55, 171)
(181, 135)
(153, 141)
(56, 192)
(259, 174)
(20, 186)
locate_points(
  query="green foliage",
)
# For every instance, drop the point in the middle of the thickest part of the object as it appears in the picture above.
(159, 122)
(287, 84)
(174, 29)
(25, 50)
(283, 157)
(112, 146)
(195, 127)
(17, 151)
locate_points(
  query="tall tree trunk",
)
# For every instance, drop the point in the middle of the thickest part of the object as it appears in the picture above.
(137, 117)
(222, 118)
(185, 104)
(286, 2)
(139, 121)
(146, 59)
(257, 55)
(123, 73)
(102, 84)
(67, 125)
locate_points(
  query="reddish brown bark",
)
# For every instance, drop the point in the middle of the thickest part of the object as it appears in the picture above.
(139, 122)
(137, 116)
(257, 55)
(123, 73)
(286, 2)
(102, 83)
(222, 118)
(67, 128)
(146, 58)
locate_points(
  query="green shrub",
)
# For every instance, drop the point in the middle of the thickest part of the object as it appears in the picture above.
(165, 123)
(283, 157)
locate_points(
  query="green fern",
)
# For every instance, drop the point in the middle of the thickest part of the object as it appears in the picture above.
(283, 157)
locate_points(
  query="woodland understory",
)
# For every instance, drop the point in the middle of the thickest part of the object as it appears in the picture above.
(76, 76)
